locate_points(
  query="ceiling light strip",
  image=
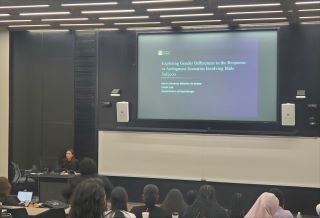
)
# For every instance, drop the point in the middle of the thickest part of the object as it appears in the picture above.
(185, 15)
(258, 19)
(23, 6)
(310, 17)
(253, 12)
(14, 21)
(159, 1)
(4, 15)
(108, 11)
(123, 18)
(82, 24)
(66, 19)
(150, 28)
(264, 24)
(206, 27)
(88, 4)
(49, 30)
(137, 23)
(34, 25)
(309, 10)
(194, 21)
(249, 5)
(45, 13)
(311, 22)
(307, 3)
(175, 9)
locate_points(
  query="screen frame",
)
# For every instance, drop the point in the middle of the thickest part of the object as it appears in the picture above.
(194, 125)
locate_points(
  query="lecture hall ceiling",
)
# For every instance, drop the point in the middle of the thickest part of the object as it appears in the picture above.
(155, 14)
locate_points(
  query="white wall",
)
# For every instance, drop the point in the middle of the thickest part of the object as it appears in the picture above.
(4, 101)
(291, 161)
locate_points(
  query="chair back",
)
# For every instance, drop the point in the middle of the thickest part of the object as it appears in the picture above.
(18, 212)
(6, 215)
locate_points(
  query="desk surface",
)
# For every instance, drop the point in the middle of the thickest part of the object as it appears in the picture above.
(30, 210)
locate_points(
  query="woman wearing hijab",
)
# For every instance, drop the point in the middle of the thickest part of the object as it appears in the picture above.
(206, 205)
(174, 202)
(265, 206)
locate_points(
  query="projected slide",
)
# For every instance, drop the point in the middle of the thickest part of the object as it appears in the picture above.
(208, 76)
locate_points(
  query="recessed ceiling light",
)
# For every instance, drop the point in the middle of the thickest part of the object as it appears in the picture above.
(257, 19)
(309, 17)
(108, 29)
(23, 6)
(205, 27)
(49, 30)
(124, 18)
(45, 13)
(159, 1)
(311, 22)
(186, 15)
(137, 23)
(253, 12)
(4, 15)
(88, 4)
(175, 9)
(14, 21)
(264, 24)
(65, 19)
(195, 21)
(308, 3)
(150, 28)
(82, 24)
(307, 10)
(39, 25)
(249, 5)
(108, 11)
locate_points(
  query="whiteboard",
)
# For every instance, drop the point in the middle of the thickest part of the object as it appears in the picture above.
(268, 160)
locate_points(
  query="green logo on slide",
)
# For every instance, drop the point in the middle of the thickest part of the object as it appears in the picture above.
(160, 52)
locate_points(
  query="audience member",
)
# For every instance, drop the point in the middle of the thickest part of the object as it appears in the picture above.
(191, 196)
(88, 200)
(237, 206)
(206, 205)
(5, 189)
(69, 162)
(281, 212)
(174, 202)
(265, 206)
(150, 197)
(119, 209)
(88, 169)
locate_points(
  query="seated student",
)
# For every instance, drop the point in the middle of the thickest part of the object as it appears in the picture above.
(191, 196)
(119, 209)
(88, 169)
(237, 206)
(265, 206)
(88, 200)
(206, 205)
(5, 189)
(150, 197)
(69, 162)
(281, 212)
(174, 202)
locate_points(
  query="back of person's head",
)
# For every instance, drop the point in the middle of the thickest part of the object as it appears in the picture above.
(5, 187)
(207, 192)
(191, 196)
(88, 166)
(265, 206)
(237, 205)
(174, 202)
(280, 195)
(150, 195)
(119, 199)
(88, 200)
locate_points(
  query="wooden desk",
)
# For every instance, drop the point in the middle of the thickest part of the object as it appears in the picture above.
(32, 212)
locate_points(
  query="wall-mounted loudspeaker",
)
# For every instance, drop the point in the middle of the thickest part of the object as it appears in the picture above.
(122, 111)
(288, 114)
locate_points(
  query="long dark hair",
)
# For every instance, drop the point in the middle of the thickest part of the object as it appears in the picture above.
(205, 204)
(150, 195)
(119, 199)
(88, 200)
(174, 202)
(237, 206)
